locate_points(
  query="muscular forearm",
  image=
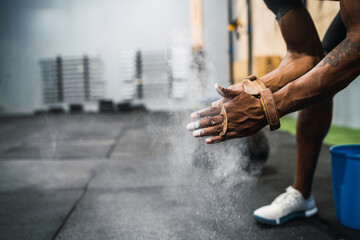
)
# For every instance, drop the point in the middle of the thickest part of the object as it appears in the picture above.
(332, 74)
(293, 66)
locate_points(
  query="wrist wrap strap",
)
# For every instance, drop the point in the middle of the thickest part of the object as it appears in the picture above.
(252, 85)
(224, 114)
(269, 107)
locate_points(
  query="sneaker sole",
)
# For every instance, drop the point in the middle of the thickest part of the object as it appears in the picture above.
(284, 219)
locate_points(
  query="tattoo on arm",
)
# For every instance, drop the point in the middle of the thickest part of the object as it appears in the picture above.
(345, 48)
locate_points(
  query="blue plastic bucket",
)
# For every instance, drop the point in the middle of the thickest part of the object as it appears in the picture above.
(345, 165)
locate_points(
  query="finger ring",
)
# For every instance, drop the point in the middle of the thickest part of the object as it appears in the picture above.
(225, 121)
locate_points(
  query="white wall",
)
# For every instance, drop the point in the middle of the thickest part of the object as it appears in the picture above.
(31, 30)
(346, 106)
(216, 43)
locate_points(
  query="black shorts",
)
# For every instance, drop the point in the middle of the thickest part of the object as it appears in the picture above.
(280, 7)
(335, 34)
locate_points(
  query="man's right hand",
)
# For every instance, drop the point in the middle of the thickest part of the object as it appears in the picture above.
(247, 87)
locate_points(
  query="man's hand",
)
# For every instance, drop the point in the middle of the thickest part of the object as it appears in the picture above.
(236, 88)
(244, 112)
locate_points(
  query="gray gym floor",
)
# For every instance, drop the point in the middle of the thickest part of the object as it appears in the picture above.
(132, 176)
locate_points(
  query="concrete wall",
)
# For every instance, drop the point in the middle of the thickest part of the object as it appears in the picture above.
(30, 30)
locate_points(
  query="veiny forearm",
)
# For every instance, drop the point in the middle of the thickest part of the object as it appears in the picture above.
(337, 70)
(293, 66)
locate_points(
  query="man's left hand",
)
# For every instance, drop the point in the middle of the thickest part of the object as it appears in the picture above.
(244, 112)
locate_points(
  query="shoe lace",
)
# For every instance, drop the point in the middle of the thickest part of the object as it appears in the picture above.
(286, 198)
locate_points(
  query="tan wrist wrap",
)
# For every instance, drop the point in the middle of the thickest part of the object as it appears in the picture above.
(269, 107)
(252, 85)
(225, 122)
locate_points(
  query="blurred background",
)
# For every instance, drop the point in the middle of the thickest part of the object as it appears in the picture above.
(128, 43)
(86, 55)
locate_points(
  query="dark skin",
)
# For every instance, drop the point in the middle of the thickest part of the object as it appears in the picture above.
(331, 75)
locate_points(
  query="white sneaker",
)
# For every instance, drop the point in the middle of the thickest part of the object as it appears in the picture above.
(285, 207)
